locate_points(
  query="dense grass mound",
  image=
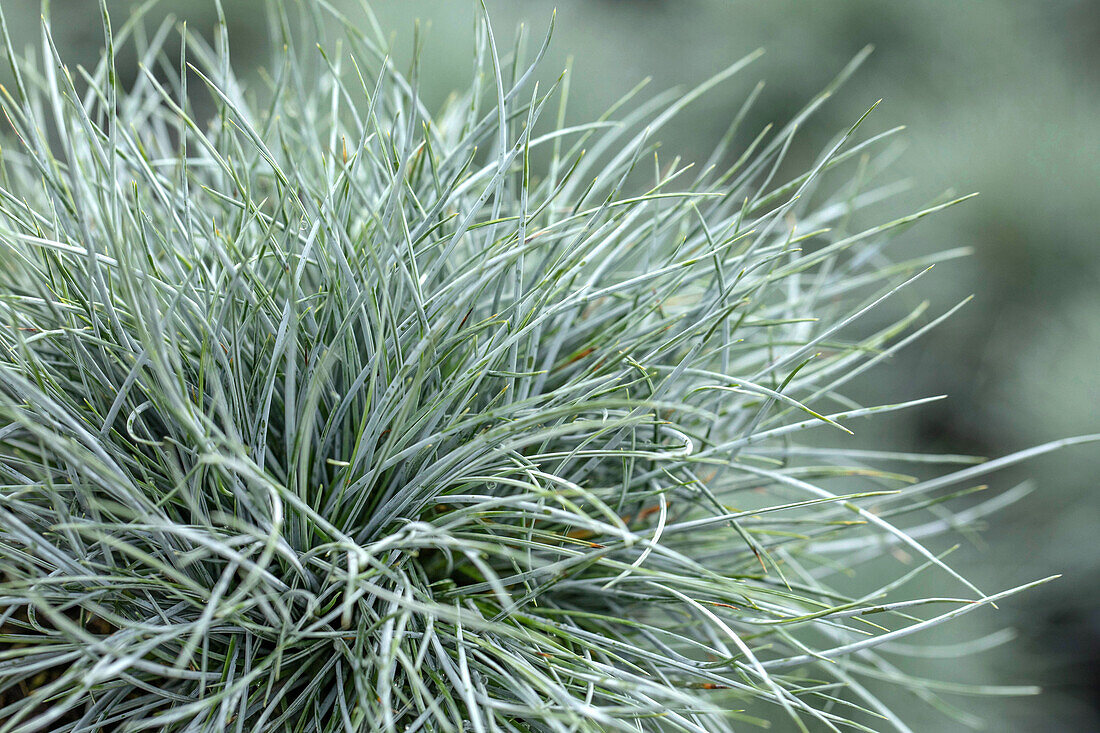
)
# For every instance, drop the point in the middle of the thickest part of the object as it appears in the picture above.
(320, 412)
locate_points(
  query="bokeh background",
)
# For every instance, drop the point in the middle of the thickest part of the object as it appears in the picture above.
(999, 97)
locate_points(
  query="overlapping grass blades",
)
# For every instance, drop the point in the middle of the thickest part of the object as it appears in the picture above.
(322, 412)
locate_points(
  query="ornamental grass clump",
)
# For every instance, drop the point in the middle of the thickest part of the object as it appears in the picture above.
(322, 411)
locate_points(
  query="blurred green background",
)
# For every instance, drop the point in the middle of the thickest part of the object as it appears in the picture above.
(999, 97)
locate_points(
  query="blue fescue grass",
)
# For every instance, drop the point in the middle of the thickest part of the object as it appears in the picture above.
(324, 412)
